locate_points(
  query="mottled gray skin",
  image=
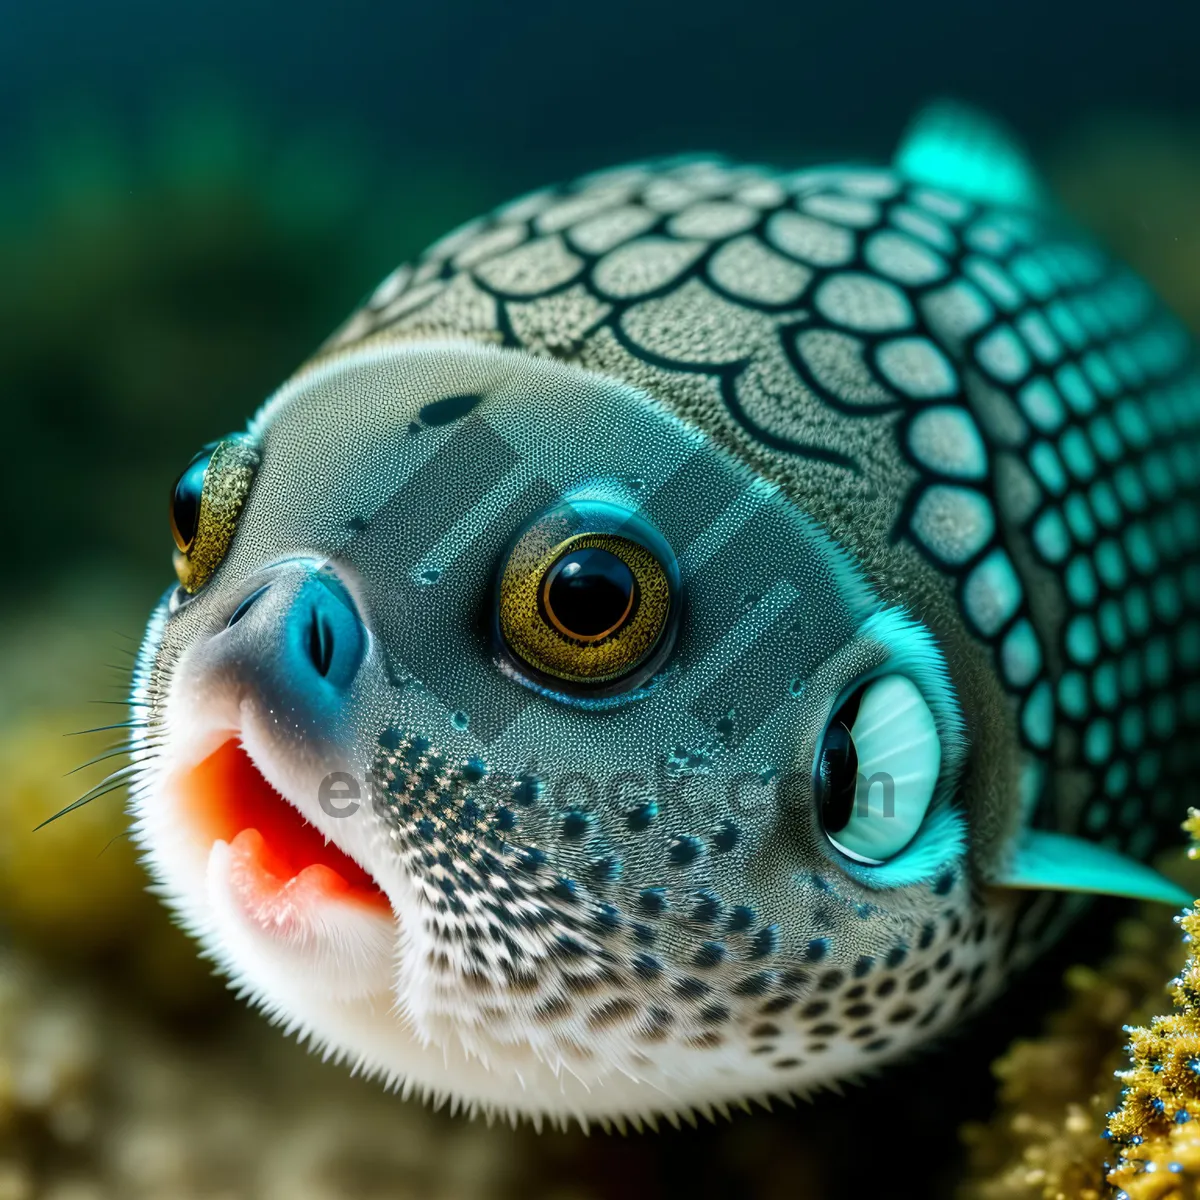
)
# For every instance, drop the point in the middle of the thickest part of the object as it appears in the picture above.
(882, 428)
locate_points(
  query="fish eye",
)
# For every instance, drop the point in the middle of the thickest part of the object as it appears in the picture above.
(206, 501)
(185, 499)
(876, 770)
(587, 600)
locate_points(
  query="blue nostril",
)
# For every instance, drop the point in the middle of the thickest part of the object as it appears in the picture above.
(325, 629)
(320, 642)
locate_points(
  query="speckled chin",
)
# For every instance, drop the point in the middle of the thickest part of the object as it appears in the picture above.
(638, 1008)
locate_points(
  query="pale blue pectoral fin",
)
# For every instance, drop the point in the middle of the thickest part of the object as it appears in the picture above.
(1057, 862)
(951, 146)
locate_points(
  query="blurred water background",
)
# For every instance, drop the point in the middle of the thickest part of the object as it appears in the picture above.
(190, 200)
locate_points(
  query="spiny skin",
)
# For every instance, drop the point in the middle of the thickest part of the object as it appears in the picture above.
(882, 428)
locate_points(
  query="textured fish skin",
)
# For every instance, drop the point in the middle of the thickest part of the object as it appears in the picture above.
(883, 426)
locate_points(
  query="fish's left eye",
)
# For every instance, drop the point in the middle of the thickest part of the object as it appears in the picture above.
(588, 600)
(876, 769)
(185, 499)
(206, 501)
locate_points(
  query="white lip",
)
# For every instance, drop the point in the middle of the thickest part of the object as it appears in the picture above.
(273, 934)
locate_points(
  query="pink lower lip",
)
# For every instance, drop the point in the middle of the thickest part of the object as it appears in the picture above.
(278, 857)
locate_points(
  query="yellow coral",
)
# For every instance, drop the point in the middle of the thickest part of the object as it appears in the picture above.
(1156, 1130)
(1044, 1143)
(1048, 1138)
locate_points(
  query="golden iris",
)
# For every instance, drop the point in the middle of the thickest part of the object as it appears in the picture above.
(206, 502)
(587, 608)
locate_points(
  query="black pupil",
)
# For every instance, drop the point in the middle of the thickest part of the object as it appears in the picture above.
(589, 592)
(185, 500)
(836, 777)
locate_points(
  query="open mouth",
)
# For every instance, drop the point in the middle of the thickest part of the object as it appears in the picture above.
(279, 862)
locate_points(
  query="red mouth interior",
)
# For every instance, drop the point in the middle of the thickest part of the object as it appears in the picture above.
(228, 795)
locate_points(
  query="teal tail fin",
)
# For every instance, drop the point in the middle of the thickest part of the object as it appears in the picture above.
(951, 146)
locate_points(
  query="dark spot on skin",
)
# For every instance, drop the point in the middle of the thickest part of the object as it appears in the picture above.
(532, 858)
(652, 901)
(741, 917)
(684, 850)
(864, 1031)
(918, 980)
(863, 966)
(930, 1016)
(896, 956)
(765, 1029)
(565, 946)
(474, 770)
(955, 925)
(710, 954)
(639, 818)
(785, 1064)
(815, 1009)
(817, 949)
(553, 1009)
(644, 935)
(756, 984)
(575, 824)
(943, 884)
(646, 966)
(856, 992)
(877, 1045)
(858, 1011)
(885, 987)
(613, 1012)
(927, 935)
(714, 1014)
(956, 980)
(443, 412)
(356, 525)
(692, 989)
(520, 981)
(944, 960)
(768, 1048)
(830, 980)
(604, 870)
(794, 979)
(706, 1041)
(565, 889)
(707, 908)
(828, 1029)
(582, 985)
(764, 942)
(817, 1047)
(777, 1005)
(607, 919)
(725, 837)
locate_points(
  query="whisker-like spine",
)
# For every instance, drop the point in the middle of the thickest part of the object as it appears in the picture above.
(110, 783)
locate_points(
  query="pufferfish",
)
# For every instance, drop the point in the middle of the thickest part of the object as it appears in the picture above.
(687, 639)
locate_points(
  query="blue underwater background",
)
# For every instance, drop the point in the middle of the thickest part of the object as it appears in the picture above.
(191, 198)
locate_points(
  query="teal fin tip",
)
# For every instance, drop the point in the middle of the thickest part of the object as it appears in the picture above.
(953, 147)
(1058, 862)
